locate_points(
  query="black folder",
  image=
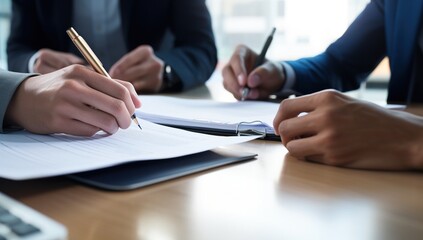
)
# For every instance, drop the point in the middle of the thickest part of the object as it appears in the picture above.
(215, 128)
(143, 173)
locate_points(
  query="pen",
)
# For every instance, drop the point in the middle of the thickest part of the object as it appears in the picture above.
(259, 61)
(92, 59)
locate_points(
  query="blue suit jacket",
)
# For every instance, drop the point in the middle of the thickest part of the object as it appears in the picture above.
(385, 28)
(40, 24)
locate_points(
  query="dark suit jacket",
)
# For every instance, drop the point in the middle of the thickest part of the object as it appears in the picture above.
(40, 24)
(385, 28)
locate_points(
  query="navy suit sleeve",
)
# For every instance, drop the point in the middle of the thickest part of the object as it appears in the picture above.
(350, 59)
(194, 55)
(25, 35)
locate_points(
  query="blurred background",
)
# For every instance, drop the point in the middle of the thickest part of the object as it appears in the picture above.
(304, 28)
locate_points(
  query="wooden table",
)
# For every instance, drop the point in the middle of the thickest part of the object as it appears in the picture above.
(272, 197)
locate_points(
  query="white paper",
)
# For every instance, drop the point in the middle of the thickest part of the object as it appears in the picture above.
(24, 155)
(209, 110)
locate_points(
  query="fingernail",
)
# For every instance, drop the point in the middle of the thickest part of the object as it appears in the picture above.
(240, 79)
(255, 80)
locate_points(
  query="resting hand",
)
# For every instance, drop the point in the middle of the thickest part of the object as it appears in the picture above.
(342, 131)
(49, 61)
(262, 81)
(142, 68)
(74, 100)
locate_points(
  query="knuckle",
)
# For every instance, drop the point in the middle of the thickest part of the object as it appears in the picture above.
(109, 123)
(330, 96)
(68, 87)
(128, 85)
(283, 128)
(293, 150)
(284, 105)
(122, 93)
(156, 65)
(147, 50)
(74, 70)
(118, 107)
(43, 53)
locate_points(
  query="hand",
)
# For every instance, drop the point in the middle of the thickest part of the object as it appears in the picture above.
(142, 68)
(342, 131)
(262, 81)
(49, 61)
(74, 100)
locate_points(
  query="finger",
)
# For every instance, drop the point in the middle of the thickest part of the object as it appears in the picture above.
(147, 85)
(44, 68)
(142, 70)
(73, 59)
(230, 82)
(96, 118)
(136, 56)
(299, 127)
(102, 93)
(134, 95)
(290, 108)
(238, 64)
(52, 58)
(77, 128)
(109, 87)
(304, 147)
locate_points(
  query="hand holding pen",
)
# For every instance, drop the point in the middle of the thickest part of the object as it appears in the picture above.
(94, 62)
(249, 76)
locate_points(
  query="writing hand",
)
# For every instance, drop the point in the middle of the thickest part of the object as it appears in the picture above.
(142, 68)
(49, 61)
(342, 131)
(262, 81)
(73, 100)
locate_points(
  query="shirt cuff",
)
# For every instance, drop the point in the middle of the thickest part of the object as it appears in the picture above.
(290, 78)
(32, 61)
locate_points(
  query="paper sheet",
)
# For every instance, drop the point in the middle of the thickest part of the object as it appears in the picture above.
(209, 110)
(24, 155)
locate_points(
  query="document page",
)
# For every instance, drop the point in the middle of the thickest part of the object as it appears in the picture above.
(209, 110)
(25, 156)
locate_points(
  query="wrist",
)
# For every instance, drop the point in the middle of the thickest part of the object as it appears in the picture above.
(170, 81)
(14, 109)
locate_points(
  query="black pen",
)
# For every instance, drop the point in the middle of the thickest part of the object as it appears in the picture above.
(259, 61)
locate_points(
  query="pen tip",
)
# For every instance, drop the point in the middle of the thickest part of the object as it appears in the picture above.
(273, 31)
(140, 127)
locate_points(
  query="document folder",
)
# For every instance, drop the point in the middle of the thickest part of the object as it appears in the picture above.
(215, 128)
(143, 173)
